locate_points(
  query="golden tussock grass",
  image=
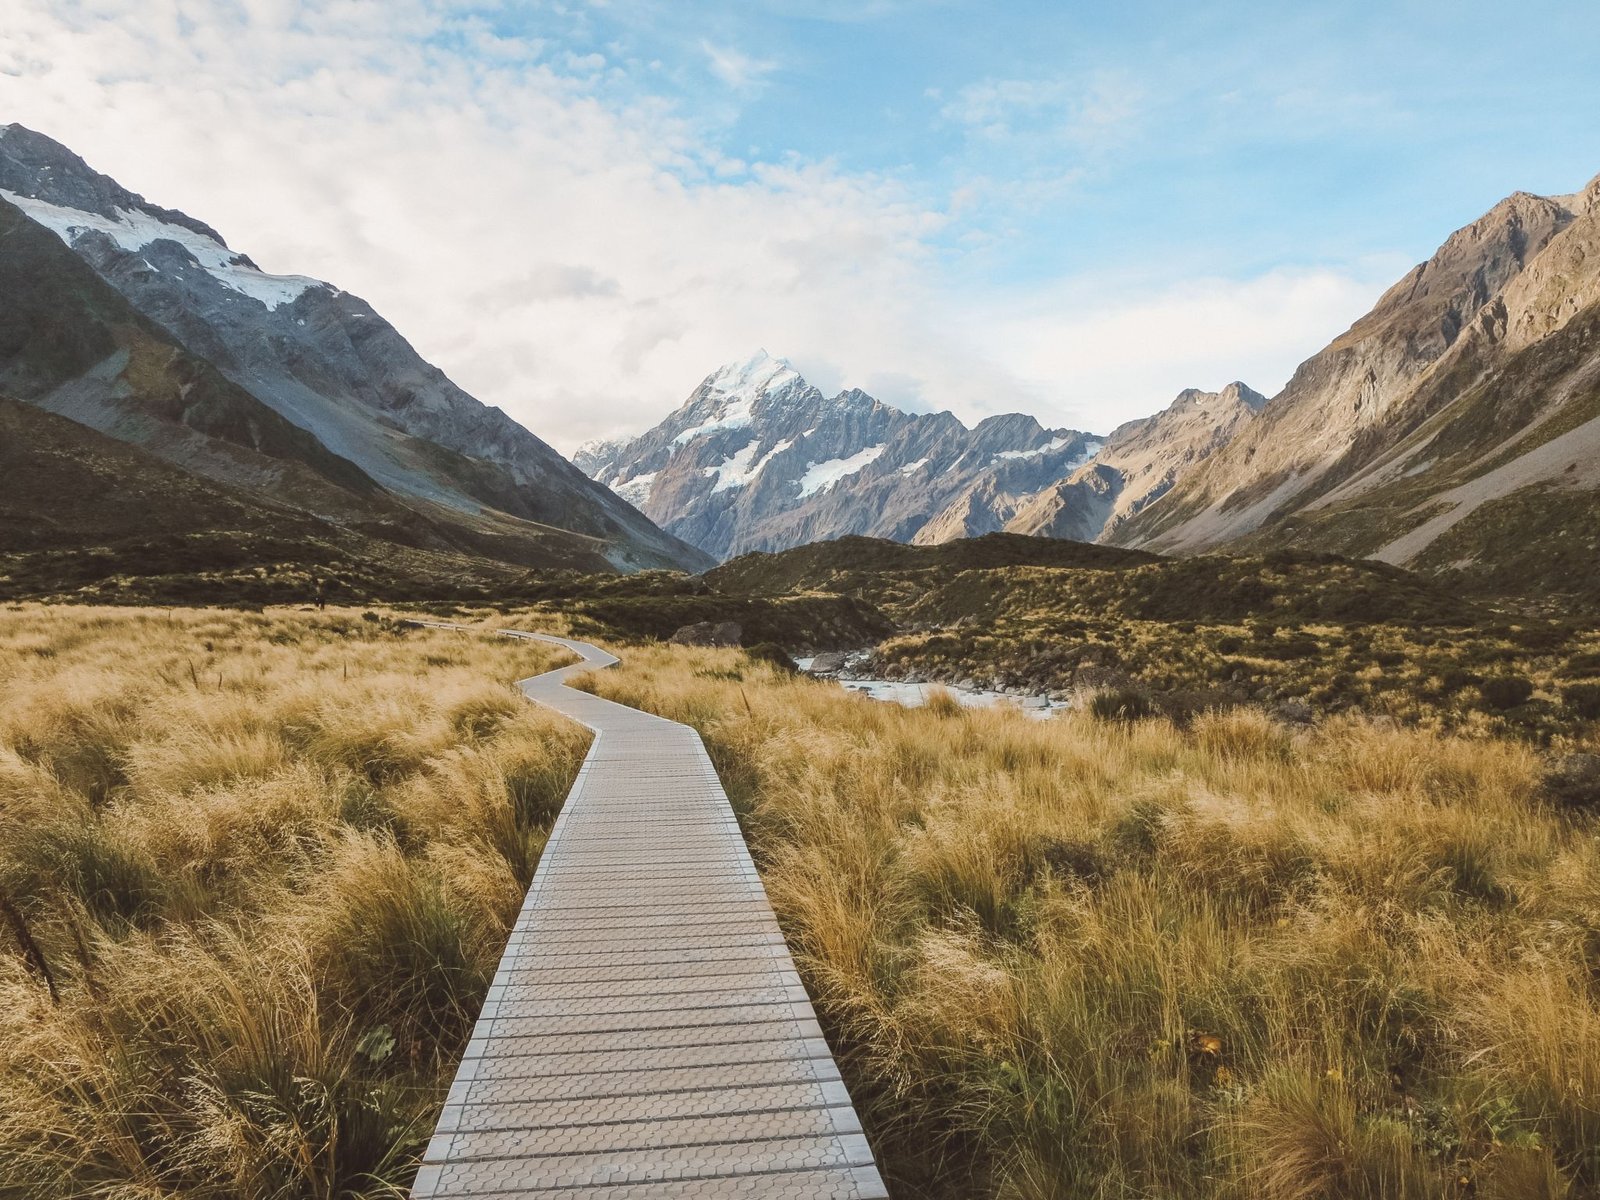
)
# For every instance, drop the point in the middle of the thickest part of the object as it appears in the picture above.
(269, 862)
(1091, 958)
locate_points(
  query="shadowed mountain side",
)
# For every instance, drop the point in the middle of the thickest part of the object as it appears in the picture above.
(71, 344)
(86, 516)
(318, 360)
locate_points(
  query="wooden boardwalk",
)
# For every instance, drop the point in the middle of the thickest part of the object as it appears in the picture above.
(646, 1035)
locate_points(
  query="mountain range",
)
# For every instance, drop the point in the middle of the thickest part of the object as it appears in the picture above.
(759, 459)
(140, 323)
(1455, 429)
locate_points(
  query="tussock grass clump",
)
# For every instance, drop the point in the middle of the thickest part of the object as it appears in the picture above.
(1092, 958)
(269, 862)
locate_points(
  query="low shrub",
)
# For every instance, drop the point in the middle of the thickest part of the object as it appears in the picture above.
(1582, 665)
(1583, 699)
(1574, 782)
(773, 655)
(1121, 704)
(1501, 692)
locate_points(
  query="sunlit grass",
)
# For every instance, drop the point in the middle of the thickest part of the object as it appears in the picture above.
(1107, 958)
(269, 862)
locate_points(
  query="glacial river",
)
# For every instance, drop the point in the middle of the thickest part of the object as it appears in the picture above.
(914, 695)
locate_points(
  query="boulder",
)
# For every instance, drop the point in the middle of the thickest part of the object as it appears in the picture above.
(1292, 712)
(704, 633)
(829, 662)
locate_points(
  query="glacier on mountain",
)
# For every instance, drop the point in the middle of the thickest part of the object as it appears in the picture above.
(133, 230)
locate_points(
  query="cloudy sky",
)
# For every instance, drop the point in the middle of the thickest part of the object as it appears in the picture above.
(579, 209)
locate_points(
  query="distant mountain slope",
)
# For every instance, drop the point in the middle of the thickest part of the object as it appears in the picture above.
(71, 344)
(85, 515)
(67, 486)
(758, 459)
(1455, 428)
(318, 359)
(1139, 463)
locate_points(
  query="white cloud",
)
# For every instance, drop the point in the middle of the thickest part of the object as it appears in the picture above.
(1094, 111)
(739, 71)
(1119, 352)
(584, 261)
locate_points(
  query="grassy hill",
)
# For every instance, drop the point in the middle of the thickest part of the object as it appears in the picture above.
(859, 565)
(1311, 633)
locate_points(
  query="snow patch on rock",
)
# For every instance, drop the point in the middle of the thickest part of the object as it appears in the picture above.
(1090, 449)
(636, 490)
(133, 230)
(826, 474)
(738, 470)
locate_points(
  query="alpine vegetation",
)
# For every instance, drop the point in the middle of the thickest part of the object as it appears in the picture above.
(260, 870)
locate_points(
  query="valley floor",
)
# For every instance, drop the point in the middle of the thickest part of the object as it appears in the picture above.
(1086, 958)
(258, 868)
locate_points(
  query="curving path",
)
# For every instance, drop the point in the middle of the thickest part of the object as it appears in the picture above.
(646, 1035)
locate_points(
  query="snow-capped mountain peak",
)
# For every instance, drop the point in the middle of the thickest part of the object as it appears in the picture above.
(758, 458)
(760, 373)
(727, 399)
(54, 187)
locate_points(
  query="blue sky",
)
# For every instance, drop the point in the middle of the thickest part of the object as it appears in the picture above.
(580, 209)
(1220, 137)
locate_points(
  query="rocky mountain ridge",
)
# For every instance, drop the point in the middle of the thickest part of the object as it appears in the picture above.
(1139, 464)
(759, 459)
(313, 357)
(1455, 428)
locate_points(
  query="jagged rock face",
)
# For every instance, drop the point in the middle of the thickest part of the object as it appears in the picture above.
(758, 459)
(1439, 401)
(319, 357)
(1139, 464)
